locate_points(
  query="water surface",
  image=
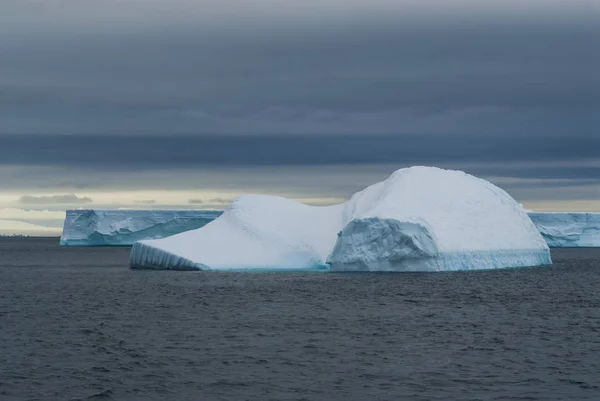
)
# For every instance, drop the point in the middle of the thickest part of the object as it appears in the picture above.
(77, 324)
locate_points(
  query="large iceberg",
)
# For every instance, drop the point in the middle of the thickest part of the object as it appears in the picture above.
(568, 230)
(125, 227)
(419, 219)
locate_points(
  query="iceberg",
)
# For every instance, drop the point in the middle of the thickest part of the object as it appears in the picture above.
(418, 219)
(125, 227)
(568, 230)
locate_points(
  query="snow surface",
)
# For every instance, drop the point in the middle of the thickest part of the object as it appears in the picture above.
(419, 219)
(125, 227)
(568, 230)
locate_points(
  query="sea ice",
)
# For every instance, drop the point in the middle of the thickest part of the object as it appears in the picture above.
(419, 219)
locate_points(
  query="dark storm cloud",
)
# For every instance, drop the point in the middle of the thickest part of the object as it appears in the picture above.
(126, 152)
(54, 199)
(383, 71)
(156, 94)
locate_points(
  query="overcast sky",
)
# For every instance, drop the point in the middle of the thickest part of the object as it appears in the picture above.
(190, 103)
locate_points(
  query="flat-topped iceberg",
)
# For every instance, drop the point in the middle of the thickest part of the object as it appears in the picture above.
(568, 230)
(125, 227)
(419, 219)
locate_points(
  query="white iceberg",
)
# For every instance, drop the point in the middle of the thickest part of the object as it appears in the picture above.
(568, 229)
(419, 219)
(125, 227)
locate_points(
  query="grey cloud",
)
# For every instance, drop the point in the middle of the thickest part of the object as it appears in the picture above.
(220, 201)
(63, 16)
(54, 199)
(195, 201)
(144, 98)
(309, 180)
(145, 202)
(564, 193)
(567, 180)
(497, 75)
(56, 223)
(123, 153)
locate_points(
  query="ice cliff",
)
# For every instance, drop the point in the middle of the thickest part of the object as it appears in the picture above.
(568, 230)
(418, 219)
(124, 227)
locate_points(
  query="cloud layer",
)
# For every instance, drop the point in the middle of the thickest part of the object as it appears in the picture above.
(485, 68)
(313, 99)
(70, 199)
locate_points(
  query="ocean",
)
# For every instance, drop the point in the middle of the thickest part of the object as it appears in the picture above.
(78, 324)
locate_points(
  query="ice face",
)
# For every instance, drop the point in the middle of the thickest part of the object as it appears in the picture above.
(568, 230)
(419, 219)
(125, 227)
(363, 242)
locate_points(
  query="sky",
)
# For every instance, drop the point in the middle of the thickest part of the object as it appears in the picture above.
(191, 103)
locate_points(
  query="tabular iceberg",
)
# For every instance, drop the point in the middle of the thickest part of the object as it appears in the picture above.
(419, 219)
(125, 227)
(568, 230)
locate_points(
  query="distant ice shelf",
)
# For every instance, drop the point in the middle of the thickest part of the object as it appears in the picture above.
(125, 227)
(568, 230)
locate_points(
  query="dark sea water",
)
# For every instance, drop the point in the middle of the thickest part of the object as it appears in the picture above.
(77, 324)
